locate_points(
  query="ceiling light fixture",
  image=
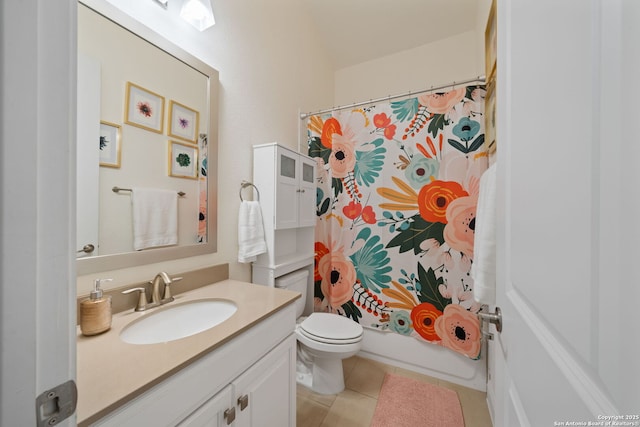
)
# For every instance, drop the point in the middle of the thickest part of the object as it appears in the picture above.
(198, 13)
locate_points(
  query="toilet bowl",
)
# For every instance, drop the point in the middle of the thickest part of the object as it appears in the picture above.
(324, 340)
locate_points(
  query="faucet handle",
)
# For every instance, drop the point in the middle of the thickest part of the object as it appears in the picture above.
(142, 298)
(167, 297)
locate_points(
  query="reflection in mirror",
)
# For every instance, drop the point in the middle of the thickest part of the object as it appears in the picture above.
(145, 120)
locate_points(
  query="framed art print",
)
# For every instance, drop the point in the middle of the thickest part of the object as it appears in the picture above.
(144, 108)
(491, 43)
(183, 122)
(183, 160)
(110, 141)
(490, 114)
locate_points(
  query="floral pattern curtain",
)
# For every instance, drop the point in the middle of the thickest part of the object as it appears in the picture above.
(396, 203)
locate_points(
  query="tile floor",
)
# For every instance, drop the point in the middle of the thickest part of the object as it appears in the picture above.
(354, 407)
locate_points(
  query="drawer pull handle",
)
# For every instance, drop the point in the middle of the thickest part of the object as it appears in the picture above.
(243, 401)
(230, 415)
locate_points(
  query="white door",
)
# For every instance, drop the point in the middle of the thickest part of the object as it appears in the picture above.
(568, 204)
(37, 208)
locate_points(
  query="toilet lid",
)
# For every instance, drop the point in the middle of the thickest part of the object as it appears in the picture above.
(332, 328)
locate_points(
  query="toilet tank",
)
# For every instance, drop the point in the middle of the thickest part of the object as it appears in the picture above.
(295, 281)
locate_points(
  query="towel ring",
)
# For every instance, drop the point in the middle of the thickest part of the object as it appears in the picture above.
(246, 184)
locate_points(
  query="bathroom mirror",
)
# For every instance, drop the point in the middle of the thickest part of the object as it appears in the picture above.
(120, 64)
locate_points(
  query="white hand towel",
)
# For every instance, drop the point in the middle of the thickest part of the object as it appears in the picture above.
(250, 231)
(155, 217)
(483, 270)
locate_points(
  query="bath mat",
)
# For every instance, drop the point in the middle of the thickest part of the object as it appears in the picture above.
(405, 402)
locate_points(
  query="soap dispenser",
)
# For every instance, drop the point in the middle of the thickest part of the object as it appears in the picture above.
(95, 312)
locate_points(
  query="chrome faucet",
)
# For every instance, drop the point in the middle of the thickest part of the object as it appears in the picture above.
(155, 292)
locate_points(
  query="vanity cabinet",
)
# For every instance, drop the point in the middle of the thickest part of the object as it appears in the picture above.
(249, 381)
(258, 397)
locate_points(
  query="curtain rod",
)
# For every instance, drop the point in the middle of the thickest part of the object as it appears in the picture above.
(386, 98)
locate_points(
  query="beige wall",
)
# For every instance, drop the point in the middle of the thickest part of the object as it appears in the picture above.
(441, 62)
(456, 58)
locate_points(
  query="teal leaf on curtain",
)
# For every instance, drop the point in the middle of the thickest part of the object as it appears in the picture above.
(371, 262)
(369, 163)
(405, 109)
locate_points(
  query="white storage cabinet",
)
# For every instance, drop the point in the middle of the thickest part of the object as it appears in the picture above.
(286, 180)
(286, 183)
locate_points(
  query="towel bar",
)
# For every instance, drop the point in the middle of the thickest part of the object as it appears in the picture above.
(245, 184)
(118, 189)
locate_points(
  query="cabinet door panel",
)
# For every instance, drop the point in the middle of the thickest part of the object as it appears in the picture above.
(286, 191)
(269, 386)
(211, 414)
(307, 195)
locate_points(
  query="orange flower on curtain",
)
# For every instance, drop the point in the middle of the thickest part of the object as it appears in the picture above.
(337, 278)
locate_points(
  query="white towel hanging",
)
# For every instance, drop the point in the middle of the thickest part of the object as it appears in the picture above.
(251, 240)
(155, 217)
(483, 270)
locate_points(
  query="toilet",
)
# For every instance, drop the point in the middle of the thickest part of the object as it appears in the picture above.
(324, 339)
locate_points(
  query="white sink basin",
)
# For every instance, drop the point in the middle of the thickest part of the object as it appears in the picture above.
(177, 321)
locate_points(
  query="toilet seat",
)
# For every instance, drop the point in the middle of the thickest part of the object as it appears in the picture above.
(330, 329)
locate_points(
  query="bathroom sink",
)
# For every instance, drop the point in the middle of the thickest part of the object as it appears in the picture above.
(177, 321)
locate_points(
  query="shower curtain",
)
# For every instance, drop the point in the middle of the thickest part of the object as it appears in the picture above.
(396, 202)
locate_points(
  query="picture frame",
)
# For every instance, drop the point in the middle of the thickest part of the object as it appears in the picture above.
(183, 160)
(490, 116)
(144, 109)
(110, 144)
(491, 43)
(184, 122)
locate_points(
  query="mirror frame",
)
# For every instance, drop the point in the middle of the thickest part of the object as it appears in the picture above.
(102, 263)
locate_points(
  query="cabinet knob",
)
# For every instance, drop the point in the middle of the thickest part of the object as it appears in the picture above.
(243, 401)
(230, 415)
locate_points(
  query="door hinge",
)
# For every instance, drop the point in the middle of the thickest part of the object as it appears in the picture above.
(56, 404)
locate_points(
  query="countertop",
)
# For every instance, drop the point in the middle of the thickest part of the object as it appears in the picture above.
(112, 372)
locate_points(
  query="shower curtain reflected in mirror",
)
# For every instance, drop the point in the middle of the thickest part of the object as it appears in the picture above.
(397, 191)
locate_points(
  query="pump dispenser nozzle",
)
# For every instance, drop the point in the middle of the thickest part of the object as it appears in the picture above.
(96, 293)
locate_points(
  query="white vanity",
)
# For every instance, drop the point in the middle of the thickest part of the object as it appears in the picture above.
(238, 373)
